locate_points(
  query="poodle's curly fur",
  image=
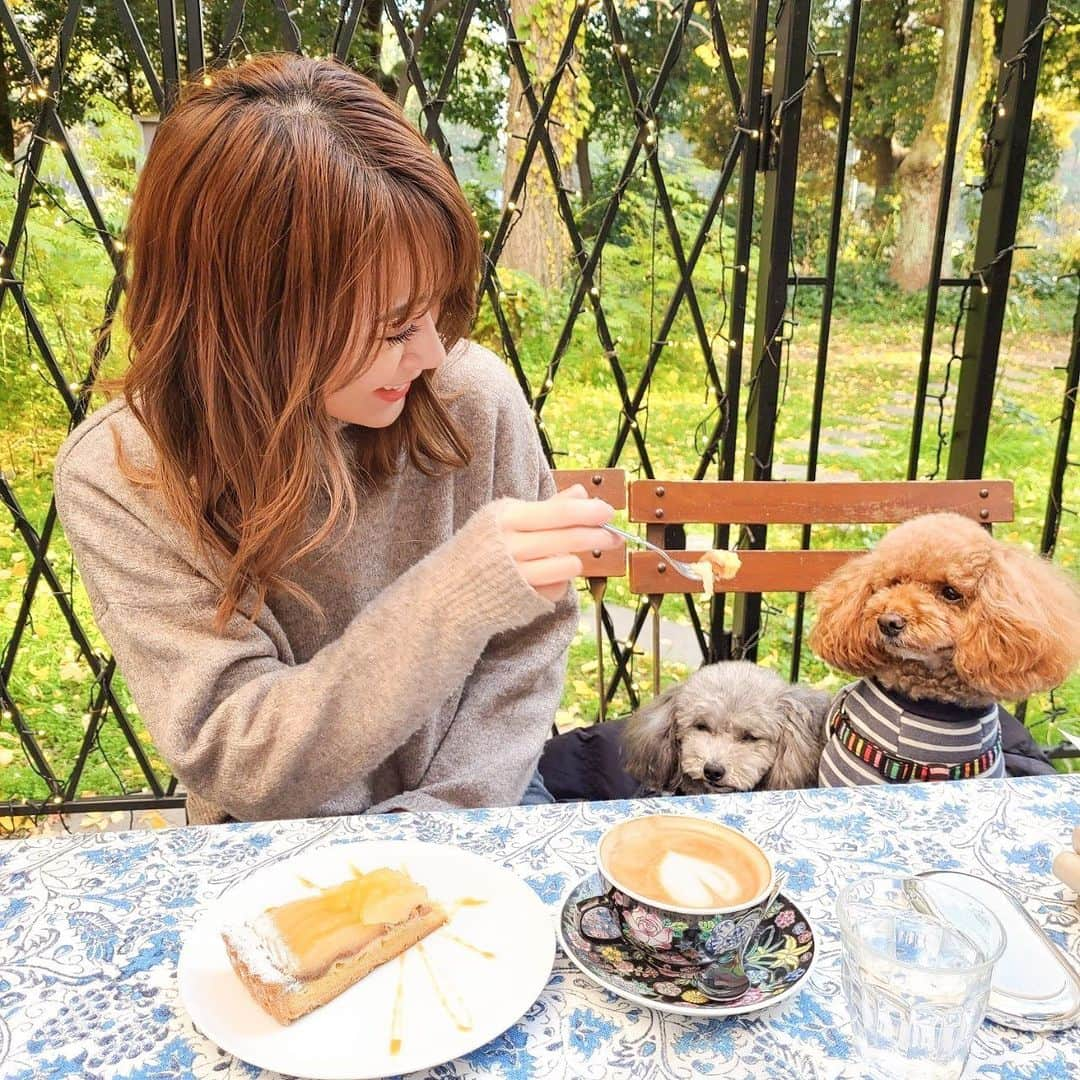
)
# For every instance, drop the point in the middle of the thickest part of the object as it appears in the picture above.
(731, 726)
(940, 610)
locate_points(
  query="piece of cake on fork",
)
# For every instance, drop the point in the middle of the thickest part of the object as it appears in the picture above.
(297, 956)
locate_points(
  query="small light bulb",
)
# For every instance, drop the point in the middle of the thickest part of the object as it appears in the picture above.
(207, 81)
(650, 140)
(985, 289)
(74, 387)
(754, 134)
(741, 268)
(548, 384)
(247, 56)
(502, 297)
(517, 114)
(732, 345)
(1001, 110)
(730, 200)
(623, 50)
(486, 235)
(511, 206)
(57, 800)
(6, 714)
(594, 292)
(118, 245)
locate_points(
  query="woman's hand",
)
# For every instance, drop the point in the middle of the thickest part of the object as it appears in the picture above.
(543, 536)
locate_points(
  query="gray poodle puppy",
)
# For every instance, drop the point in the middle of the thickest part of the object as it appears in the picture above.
(731, 726)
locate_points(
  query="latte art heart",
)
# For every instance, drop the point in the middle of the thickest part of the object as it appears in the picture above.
(684, 862)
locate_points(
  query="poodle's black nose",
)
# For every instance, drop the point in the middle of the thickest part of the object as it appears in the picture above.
(890, 624)
(715, 773)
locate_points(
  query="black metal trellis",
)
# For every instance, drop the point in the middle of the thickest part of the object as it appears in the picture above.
(744, 379)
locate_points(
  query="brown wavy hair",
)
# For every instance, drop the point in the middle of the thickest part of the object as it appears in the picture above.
(275, 216)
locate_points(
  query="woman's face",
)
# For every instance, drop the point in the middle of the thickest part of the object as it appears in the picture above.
(376, 397)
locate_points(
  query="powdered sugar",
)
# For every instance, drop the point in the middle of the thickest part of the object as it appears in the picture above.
(258, 944)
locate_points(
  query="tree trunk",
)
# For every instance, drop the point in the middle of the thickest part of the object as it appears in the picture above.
(882, 162)
(584, 169)
(919, 174)
(369, 40)
(538, 243)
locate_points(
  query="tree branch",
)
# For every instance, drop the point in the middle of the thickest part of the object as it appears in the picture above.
(431, 11)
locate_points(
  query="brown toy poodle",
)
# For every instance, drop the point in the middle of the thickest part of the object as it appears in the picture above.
(940, 621)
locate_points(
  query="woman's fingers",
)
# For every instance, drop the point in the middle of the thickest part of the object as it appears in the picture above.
(553, 571)
(562, 511)
(543, 536)
(539, 545)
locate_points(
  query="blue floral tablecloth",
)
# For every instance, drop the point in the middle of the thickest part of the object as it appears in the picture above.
(91, 928)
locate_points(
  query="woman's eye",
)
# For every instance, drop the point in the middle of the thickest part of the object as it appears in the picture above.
(403, 336)
(952, 595)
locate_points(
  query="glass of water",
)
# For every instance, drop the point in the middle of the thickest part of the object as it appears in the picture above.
(916, 966)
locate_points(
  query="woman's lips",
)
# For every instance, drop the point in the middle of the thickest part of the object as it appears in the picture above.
(392, 393)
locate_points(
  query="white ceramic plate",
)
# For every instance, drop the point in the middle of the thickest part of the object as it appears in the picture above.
(453, 1000)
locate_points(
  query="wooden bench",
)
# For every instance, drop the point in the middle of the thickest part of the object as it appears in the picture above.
(660, 504)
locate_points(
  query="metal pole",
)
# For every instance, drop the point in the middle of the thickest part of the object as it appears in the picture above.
(1006, 156)
(170, 51)
(779, 156)
(941, 226)
(837, 209)
(1054, 506)
(749, 119)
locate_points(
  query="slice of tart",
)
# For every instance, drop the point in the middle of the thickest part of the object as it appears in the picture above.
(300, 955)
(717, 565)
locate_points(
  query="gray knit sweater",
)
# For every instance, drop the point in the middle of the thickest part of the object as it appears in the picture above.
(431, 681)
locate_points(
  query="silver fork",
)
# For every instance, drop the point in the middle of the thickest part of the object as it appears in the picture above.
(679, 567)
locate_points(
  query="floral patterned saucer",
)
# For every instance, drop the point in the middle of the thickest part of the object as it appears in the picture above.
(778, 960)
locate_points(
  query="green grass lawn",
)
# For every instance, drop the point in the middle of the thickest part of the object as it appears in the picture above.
(867, 422)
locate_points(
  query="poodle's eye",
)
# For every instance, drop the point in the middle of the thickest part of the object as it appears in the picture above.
(747, 737)
(953, 596)
(701, 726)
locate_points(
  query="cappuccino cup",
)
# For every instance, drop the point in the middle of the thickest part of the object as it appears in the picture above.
(686, 892)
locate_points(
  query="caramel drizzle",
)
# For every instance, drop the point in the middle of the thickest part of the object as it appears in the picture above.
(460, 1015)
(399, 1001)
(468, 945)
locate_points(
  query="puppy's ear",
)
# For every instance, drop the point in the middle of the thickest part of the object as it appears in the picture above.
(840, 636)
(801, 741)
(652, 749)
(1021, 632)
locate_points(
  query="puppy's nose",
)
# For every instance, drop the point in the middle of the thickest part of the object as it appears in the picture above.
(715, 773)
(891, 624)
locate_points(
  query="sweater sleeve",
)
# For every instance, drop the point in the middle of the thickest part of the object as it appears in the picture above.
(506, 709)
(243, 725)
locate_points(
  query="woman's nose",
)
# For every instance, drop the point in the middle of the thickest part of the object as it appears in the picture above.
(426, 348)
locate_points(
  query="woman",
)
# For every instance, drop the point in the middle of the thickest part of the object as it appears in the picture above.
(310, 529)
